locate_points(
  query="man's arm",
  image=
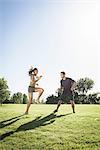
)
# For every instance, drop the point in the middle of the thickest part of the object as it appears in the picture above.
(73, 86)
(61, 86)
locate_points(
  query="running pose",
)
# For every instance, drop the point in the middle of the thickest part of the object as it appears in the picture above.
(32, 87)
(67, 88)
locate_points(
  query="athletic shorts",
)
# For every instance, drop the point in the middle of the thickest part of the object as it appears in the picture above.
(31, 89)
(66, 97)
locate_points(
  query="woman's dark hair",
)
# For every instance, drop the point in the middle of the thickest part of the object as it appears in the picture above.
(63, 72)
(30, 72)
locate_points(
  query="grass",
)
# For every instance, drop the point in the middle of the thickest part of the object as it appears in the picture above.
(43, 130)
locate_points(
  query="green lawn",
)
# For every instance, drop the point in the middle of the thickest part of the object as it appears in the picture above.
(43, 130)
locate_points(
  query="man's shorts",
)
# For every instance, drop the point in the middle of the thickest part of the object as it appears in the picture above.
(66, 97)
(31, 89)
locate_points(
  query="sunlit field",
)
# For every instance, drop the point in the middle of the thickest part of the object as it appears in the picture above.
(44, 130)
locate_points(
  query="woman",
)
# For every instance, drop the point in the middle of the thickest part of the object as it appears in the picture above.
(32, 87)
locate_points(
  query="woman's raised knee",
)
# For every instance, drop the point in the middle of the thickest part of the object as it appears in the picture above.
(41, 90)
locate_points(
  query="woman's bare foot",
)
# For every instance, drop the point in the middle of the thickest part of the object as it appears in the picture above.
(26, 113)
(37, 102)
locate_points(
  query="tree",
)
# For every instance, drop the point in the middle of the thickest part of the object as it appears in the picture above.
(17, 98)
(25, 99)
(4, 90)
(52, 99)
(93, 98)
(84, 85)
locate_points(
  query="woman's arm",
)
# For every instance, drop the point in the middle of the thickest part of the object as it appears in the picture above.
(38, 78)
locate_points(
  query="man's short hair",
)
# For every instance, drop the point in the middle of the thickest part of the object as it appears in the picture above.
(63, 72)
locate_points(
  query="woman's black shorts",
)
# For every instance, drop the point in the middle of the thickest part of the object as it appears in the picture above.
(31, 89)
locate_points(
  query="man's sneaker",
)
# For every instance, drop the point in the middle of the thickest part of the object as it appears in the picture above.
(55, 111)
(73, 111)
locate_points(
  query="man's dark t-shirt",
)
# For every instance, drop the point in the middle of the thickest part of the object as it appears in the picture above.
(67, 84)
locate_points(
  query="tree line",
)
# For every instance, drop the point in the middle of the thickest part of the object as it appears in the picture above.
(81, 94)
(5, 94)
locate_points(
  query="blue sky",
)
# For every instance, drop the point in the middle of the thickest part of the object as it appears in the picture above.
(52, 35)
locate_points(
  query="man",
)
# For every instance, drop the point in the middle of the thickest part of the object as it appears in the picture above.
(67, 88)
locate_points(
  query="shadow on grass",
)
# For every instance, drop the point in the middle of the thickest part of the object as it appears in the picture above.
(10, 121)
(36, 123)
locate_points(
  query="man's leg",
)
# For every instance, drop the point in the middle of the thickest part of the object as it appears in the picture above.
(58, 105)
(29, 103)
(73, 105)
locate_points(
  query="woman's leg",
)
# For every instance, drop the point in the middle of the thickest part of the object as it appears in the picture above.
(30, 95)
(40, 91)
